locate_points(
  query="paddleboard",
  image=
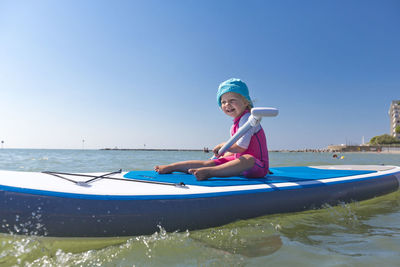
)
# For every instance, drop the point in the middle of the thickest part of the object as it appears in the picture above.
(139, 202)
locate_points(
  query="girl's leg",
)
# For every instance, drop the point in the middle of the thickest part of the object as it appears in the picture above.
(231, 168)
(183, 166)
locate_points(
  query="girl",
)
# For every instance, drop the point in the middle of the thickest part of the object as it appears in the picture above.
(248, 156)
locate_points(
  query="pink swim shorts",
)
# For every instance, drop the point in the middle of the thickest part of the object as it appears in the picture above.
(259, 169)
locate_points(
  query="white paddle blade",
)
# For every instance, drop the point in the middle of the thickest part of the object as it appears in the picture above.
(264, 112)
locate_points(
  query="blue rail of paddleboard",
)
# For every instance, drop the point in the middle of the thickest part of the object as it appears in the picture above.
(280, 175)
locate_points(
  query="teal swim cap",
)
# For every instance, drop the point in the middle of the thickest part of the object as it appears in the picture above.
(236, 86)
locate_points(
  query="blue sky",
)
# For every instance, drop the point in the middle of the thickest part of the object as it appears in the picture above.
(128, 73)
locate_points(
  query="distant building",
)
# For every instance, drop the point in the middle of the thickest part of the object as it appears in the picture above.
(394, 114)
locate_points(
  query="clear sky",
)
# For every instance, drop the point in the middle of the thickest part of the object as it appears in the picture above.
(133, 73)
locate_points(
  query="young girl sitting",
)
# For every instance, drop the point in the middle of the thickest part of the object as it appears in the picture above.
(248, 156)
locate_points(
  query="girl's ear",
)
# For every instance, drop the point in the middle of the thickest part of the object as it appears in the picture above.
(248, 104)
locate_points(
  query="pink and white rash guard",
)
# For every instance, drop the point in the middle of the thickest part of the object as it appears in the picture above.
(255, 143)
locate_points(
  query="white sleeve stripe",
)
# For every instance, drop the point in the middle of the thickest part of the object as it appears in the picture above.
(244, 141)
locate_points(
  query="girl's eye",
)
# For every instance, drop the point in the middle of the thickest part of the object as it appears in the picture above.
(230, 101)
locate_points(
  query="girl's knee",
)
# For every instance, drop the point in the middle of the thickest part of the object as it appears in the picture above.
(249, 159)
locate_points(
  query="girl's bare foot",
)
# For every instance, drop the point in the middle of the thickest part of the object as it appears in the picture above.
(163, 169)
(201, 173)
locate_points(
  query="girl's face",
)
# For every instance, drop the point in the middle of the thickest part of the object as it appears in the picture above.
(233, 104)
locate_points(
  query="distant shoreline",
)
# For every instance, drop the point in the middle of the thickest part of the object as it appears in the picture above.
(280, 150)
(210, 151)
(151, 149)
(204, 150)
(332, 152)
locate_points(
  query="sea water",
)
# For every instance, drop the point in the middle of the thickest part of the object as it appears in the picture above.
(365, 233)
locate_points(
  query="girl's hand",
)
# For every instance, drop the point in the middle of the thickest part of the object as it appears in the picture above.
(216, 149)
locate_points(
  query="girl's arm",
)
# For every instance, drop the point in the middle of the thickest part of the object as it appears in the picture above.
(233, 149)
(236, 149)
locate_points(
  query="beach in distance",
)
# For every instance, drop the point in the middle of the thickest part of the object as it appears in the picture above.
(362, 233)
(311, 150)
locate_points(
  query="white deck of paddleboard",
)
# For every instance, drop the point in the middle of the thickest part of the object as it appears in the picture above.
(107, 187)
